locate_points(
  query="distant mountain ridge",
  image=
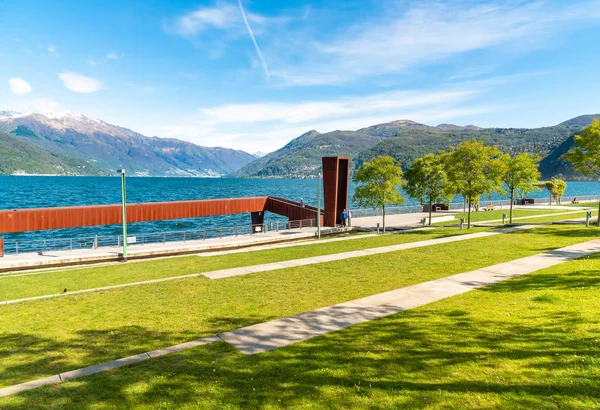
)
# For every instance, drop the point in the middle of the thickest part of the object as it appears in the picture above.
(107, 147)
(407, 140)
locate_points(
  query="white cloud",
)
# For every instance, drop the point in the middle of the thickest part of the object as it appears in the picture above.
(303, 112)
(221, 16)
(270, 125)
(229, 21)
(79, 83)
(426, 34)
(19, 86)
(51, 49)
(113, 56)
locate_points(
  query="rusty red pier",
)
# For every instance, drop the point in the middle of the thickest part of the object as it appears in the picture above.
(335, 189)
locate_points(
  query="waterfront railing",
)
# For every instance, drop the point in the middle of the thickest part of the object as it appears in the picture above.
(458, 206)
(42, 246)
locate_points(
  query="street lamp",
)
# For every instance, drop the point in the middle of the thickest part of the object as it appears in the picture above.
(124, 206)
(319, 206)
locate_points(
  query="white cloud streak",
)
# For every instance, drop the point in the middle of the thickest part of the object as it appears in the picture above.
(79, 83)
(270, 125)
(258, 51)
(296, 113)
(427, 34)
(19, 86)
(231, 22)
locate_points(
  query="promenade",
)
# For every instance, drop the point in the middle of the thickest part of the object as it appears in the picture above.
(57, 258)
(112, 254)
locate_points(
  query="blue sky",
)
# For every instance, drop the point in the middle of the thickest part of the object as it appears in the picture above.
(253, 75)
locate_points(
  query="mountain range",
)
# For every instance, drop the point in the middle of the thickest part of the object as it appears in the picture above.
(73, 144)
(407, 140)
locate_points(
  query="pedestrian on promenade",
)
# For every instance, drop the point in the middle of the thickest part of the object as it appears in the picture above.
(344, 217)
(302, 204)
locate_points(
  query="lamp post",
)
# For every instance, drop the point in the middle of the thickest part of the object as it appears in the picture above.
(124, 207)
(319, 206)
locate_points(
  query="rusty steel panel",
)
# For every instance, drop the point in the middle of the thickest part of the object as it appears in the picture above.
(292, 210)
(1, 247)
(336, 176)
(23, 220)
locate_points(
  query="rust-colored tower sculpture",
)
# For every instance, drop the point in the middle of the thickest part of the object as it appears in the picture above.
(336, 176)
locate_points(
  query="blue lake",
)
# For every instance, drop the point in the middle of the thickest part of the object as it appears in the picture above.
(38, 192)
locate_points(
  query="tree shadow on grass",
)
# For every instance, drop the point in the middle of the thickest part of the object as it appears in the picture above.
(444, 356)
(413, 359)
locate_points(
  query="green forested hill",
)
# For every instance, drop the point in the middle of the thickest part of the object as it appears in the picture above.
(302, 156)
(414, 143)
(21, 156)
(406, 140)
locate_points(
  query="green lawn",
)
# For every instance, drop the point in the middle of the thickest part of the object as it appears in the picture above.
(482, 216)
(531, 342)
(45, 337)
(51, 282)
(582, 204)
(522, 217)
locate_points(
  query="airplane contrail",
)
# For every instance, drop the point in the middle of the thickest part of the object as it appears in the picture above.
(260, 54)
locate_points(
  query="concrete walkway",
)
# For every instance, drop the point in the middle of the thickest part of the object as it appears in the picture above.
(246, 270)
(109, 253)
(283, 332)
(227, 273)
(106, 254)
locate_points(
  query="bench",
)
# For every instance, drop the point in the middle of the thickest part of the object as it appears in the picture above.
(488, 208)
(574, 201)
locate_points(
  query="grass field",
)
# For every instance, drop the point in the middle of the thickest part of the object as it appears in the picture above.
(51, 282)
(50, 336)
(496, 214)
(531, 342)
(523, 216)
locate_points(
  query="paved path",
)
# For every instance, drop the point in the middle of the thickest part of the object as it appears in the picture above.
(227, 273)
(283, 332)
(246, 270)
(108, 253)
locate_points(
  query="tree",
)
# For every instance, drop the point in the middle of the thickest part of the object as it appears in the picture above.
(377, 183)
(427, 180)
(586, 155)
(556, 187)
(521, 174)
(475, 169)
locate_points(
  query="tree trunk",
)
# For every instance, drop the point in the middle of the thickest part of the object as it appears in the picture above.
(383, 212)
(430, 205)
(512, 200)
(469, 216)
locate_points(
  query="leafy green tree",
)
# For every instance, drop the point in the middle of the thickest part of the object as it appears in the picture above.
(556, 187)
(377, 184)
(427, 180)
(475, 169)
(585, 157)
(521, 174)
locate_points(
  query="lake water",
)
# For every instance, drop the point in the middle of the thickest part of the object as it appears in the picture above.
(39, 192)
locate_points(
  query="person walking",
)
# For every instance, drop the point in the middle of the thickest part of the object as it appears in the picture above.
(344, 217)
(302, 204)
